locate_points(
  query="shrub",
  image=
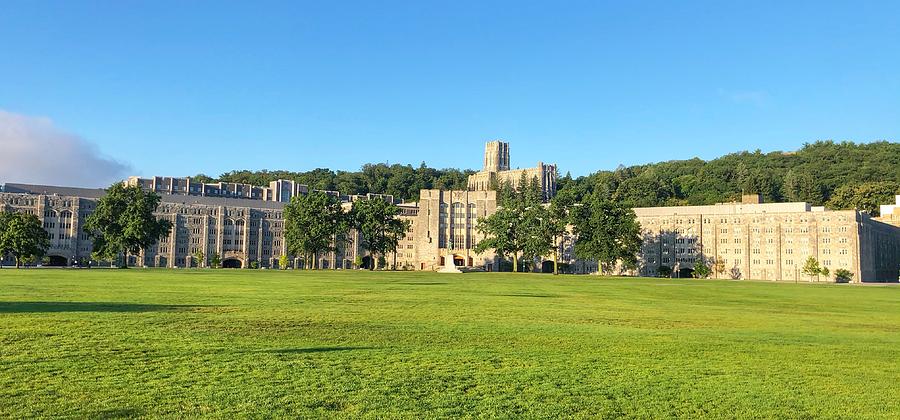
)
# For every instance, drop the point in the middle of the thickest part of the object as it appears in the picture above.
(842, 275)
(701, 271)
(664, 271)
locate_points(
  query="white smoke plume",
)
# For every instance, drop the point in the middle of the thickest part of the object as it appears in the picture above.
(34, 151)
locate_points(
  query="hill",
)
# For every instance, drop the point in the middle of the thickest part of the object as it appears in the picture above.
(842, 175)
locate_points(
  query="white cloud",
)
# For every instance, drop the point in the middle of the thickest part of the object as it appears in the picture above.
(33, 150)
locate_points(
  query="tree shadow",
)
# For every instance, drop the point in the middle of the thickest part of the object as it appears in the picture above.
(314, 350)
(43, 306)
(119, 413)
(422, 283)
(534, 295)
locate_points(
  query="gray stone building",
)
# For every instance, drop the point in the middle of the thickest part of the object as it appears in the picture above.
(496, 169)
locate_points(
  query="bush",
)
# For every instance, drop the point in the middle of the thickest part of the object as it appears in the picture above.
(254, 264)
(842, 275)
(701, 271)
(664, 271)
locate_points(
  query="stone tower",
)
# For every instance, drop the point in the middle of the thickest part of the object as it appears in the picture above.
(496, 156)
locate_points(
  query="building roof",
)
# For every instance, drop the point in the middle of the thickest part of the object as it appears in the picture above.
(95, 193)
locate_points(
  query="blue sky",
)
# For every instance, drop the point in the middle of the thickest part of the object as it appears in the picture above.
(176, 88)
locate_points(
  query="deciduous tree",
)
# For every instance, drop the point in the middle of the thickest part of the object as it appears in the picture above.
(23, 237)
(608, 232)
(378, 223)
(311, 224)
(123, 222)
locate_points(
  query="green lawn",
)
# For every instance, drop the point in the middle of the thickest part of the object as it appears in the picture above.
(176, 343)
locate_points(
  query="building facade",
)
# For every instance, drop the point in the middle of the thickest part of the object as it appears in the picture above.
(496, 170)
(767, 241)
(243, 225)
(890, 213)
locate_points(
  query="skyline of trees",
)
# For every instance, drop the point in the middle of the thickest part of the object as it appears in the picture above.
(821, 173)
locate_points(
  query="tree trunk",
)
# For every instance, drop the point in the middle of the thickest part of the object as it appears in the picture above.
(515, 262)
(18, 261)
(555, 259)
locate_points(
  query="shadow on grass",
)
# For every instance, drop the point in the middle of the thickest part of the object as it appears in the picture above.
(314, 350)
(119, 413)
(533, 295)
(422, 283)
(37, 307)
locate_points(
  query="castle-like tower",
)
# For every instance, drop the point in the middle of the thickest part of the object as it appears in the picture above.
(496, 156)
(496, 170)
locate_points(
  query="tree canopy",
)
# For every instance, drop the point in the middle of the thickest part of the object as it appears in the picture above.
(813, 174)
(124, 223)
(608, 232)
(311, 224)
(22, 236)
(401, 181)
(377, 222)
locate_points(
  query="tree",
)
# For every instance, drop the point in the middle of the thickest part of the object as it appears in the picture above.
(215, 261)
(865, 197)
(311, 224)
(701, 270)
(520, 224)
(557, 222)
(377, 222)
(198, 257)
(283, 262)
(22, 236)
(123, 222)
(608, 232)
(825, 272)
(718, 266)
(811, 267)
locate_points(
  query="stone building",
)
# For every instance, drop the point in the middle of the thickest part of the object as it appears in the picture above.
(496, 170)
(442, 224)
(767, 241)
(281, 190)
(241, 232)
(890, 213)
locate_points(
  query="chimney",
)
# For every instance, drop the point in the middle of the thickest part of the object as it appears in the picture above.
(751, 199)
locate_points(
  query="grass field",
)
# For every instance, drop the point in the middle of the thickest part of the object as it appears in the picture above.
(176, 343)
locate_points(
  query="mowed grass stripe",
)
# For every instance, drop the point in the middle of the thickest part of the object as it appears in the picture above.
(225, 343)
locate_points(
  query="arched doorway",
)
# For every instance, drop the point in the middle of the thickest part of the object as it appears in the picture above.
(57, 261)
(686, 273)
(231, 263)
(547, 267)
(459, 261)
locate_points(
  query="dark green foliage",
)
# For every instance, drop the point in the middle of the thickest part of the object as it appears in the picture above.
(608, 232)
(866, 197)
(376, 221)
(812, 174)
(22, 236)
(521, 225)
(312, 223)
(401, 181)
(842, 275)
(664, 271)
(124, 223)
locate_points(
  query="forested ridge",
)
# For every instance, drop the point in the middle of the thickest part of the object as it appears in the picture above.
(840, 174)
